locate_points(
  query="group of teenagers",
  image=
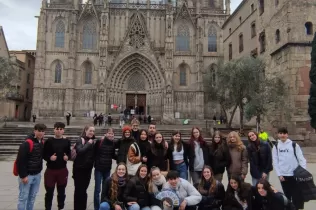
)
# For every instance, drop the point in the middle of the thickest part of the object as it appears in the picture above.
(147, 164)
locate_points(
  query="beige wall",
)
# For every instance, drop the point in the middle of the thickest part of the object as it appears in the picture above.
(240, 23)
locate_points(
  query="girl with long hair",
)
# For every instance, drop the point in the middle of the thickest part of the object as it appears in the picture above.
(198, 155)
(112, 196)
(136, 191)
(238, 195)
(239, 157)
(260, 158)
(212, 191)
(267, 198)
(144, 145)
(219, 155)
(155, 184)
(82, 166)
(178, 155)
(158, 154)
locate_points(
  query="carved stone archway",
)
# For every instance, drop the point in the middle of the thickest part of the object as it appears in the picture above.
(123, 80)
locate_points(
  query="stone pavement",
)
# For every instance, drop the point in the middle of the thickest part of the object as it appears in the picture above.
(9, 188)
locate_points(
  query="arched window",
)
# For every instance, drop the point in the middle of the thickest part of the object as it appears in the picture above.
(309, 28)
(183, 38)
(88, 73)
(212, 39)
(89, 33)
(58, 69)
(213, 74)
(277, 36)
(60, 34)
(183, 75)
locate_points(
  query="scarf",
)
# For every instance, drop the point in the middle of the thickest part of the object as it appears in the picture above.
(155, 183)
(121, 181)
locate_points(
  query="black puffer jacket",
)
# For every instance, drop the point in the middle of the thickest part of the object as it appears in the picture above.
(30, 163)
(219, 158)
(260, 160)
(136, 191)
(104, 153)
(123, 146)
(273, 201)
(209, 200)
(85, 154)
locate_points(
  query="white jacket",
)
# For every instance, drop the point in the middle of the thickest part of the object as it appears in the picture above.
(186, 191)
(284, 160)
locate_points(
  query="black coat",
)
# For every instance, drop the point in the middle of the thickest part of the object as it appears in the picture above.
(144, 147)
(104, 154)
(153, 201)
(123, 146)
(219, 158)
(274, 201)
(160, 159)
(137, 191)
(231, 203)
(260, 161)
(85, 154)
(185, 155)
(212, 201)
(106, 193)
(205, 150)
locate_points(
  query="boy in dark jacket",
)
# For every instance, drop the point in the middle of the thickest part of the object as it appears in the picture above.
(56, 154)
(29, 165)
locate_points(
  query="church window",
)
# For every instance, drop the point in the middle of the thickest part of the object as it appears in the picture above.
(277, 36)
(212, 39)
(60, 34)
(183, 75)
(183, 38)
(241, 42)
(261, 7)
(58, 69)
(213, 74)
(253, 29)
(262, 40)
(88, 73)
(309, 28)
(230, 51)
(89, 35)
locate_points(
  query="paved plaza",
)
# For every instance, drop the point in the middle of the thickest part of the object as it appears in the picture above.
(9, 188)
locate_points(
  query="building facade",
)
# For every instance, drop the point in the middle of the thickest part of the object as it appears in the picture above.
(145, 54)
(279, 31)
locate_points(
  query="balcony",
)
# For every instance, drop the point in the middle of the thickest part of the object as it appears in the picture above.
(15, 96)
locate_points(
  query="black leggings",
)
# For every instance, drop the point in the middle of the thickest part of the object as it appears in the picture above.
(82, 180)
(291, 191)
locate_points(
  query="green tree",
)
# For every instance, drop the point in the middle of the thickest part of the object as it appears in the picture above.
(8, 76)
(312, 92)
(242, 84)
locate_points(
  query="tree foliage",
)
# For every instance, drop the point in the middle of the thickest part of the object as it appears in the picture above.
(242, 83)
(8, 76)
(312, 92)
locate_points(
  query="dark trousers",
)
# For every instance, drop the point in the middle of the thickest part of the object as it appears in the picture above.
(291, 191)
(53, 177)
(81, 180)
(68, 121)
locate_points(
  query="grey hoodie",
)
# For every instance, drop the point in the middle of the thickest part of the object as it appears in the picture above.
(186, 191)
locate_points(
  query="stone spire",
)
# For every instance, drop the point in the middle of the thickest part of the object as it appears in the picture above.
(227, 5)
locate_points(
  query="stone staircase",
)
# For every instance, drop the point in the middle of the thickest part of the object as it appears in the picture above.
(12, 137)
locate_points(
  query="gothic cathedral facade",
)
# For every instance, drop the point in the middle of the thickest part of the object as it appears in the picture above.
(94, 54)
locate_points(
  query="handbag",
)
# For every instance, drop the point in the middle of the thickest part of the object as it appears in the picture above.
(133, 167)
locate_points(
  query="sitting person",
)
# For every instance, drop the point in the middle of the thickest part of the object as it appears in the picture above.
(238, 194)
(187, 193)
(112, 190)
(155, 184)
(136, 192)
(267, 198)
(212, 191)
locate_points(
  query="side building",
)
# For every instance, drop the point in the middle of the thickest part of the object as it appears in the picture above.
(281, 33)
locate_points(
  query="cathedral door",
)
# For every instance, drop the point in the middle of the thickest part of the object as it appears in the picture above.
(136, 102)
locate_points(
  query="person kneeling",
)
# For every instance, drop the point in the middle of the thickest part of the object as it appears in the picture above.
(187, 193)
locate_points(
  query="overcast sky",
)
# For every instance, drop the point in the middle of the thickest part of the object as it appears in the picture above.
(20, 25)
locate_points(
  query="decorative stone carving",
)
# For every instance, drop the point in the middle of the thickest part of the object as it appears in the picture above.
(137, 33)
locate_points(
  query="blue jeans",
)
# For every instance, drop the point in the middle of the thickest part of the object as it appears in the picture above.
(99, 177)
(254, 181)
(28, 192)
(183, 170)
(137, 207)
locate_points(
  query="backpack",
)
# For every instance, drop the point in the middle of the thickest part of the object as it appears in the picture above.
(15, 167)
(73, 150)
